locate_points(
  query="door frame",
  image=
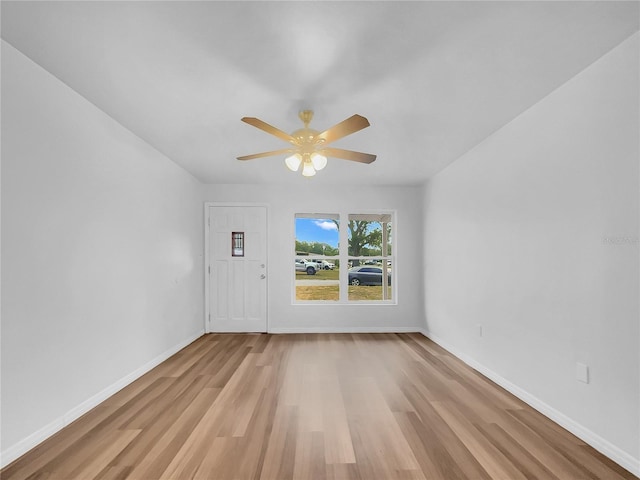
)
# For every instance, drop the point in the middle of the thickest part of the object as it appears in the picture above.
(206, 270)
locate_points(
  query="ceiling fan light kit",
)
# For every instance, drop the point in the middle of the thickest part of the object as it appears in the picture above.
(310, 146)
(308, 170)
(293, 162)
(310, 165)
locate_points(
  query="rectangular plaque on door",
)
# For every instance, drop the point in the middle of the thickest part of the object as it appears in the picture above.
(237, 244)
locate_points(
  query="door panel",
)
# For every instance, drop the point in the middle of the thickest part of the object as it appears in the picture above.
(238, 285)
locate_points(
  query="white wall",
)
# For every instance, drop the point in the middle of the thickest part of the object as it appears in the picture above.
(285, 201)
(101, 254)
(534, 235)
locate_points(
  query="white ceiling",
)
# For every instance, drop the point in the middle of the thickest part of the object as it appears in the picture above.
(433, 78)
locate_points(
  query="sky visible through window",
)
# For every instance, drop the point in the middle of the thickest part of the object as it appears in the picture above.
(317, 230)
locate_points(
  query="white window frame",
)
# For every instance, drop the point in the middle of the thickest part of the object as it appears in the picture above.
(344, 258)
(334, 216)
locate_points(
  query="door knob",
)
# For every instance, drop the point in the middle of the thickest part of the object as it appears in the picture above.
(263, 276)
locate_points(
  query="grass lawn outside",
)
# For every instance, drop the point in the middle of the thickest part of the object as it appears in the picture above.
(320, 275)
(362, 292)
(332, 293)
(321, 292)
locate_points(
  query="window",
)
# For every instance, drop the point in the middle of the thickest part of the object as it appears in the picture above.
(317, 259)
(324, 272)
(237, 242)
(370, 257)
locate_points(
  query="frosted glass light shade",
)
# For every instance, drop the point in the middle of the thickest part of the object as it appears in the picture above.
(308, 170)
(318, 161)
(293, 162)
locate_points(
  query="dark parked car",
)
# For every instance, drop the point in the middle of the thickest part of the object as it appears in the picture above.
(365, 275)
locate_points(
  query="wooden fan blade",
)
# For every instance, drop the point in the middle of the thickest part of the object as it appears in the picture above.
(349, 155)
(344, 128)
(265, 154)
(256, 122)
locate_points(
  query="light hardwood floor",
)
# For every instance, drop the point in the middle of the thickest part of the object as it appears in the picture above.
(321, 406)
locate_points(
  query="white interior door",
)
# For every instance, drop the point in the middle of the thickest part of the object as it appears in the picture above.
(238, 269)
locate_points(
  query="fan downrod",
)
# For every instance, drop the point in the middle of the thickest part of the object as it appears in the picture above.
(306, 116)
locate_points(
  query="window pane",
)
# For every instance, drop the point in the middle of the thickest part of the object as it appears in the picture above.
(365, 281)
(369, 234)
(317, 235)
(316, 258)
(323, 285)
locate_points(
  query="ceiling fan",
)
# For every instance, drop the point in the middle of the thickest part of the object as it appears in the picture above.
(309, 147)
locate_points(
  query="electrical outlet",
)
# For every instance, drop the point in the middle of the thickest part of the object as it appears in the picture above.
(582, 372)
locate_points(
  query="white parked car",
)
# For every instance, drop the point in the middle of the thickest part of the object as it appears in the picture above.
(307, 266)
(323, 264)
(327, 265)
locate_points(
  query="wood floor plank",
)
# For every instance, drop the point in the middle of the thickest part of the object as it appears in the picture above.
(313, 406)
(188, 459)
(492, 460)
(435, 461)
(109, 448)
(569, 447)
(190, 359)
(114, 473)
(524, 461)
(495, 394)
(445, 438)
(309, 462)
(542, 451)
(338, 445)
(369, 414)
(165, 448)
(280, 452)
(213, 461)
(56, 446)
(163, 419)
(253, 445)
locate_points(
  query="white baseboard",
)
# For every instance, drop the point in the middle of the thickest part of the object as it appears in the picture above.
(345, 330)
(605, 447)
(23, 446)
